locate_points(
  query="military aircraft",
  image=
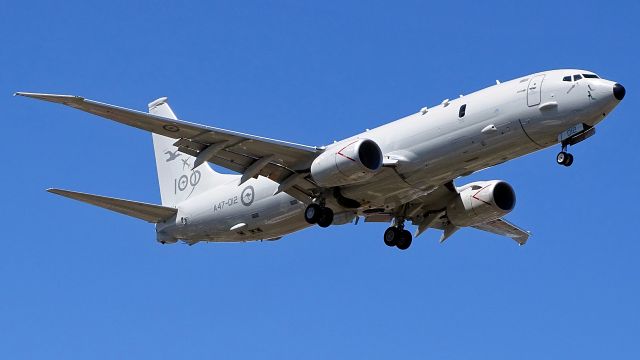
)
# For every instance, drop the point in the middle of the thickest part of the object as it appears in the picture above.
(400, 172)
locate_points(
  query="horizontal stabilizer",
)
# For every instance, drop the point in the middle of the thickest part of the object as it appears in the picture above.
(148, 212)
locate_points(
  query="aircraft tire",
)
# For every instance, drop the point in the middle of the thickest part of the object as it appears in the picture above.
(326, 217)
(391, 236)
(312, 213)
(568, 161)
(564, 158)
(405, 240)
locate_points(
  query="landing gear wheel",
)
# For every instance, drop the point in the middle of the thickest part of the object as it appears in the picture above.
(326, 217)
(569, 160)
(561, 157)
(564, 158)
(317, 214)
(312, 213)
(391, 236)
(405, 240)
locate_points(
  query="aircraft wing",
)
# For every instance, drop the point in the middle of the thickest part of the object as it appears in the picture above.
(148, 212)
(283, 162)
(429, 211)
(505, 228)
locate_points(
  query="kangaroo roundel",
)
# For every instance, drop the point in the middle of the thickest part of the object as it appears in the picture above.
(247, 196)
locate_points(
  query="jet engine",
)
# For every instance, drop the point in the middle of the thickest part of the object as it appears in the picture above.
(480, 202)
(347, 162)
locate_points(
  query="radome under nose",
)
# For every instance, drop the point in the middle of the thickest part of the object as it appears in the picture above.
(619, 91)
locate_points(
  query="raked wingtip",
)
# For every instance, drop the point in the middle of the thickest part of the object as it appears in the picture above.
(30, 94)
(48, 97)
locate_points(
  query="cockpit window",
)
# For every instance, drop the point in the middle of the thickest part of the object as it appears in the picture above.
(591, 76)
(566, 78)
(577, 77)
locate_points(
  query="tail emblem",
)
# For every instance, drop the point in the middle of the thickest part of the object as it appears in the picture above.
(181, 183)
(172, 155)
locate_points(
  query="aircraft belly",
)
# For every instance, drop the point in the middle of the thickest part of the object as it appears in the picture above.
(386, 188)
(267, 218)
(236, 213)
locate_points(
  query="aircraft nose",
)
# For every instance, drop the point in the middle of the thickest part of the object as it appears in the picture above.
(619, 91)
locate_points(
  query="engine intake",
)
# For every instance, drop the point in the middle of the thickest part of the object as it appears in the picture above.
(480, 202)
(347, 162)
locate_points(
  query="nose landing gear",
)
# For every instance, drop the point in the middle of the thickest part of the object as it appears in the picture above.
(572, 136)
(564, 158)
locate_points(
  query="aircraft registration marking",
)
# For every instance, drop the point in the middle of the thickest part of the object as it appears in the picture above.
(245, 198)
(226, 203)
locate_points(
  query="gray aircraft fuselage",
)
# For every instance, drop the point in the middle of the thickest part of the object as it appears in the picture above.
(427, 149)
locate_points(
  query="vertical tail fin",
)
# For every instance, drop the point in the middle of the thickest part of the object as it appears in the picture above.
(177, 178)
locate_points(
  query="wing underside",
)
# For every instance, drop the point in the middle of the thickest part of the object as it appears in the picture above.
(429, 211)
(505, 228)
(283, 162)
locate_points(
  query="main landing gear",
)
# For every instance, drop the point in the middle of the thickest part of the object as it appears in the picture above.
(397, 236)
(564, 158)
(318, 214)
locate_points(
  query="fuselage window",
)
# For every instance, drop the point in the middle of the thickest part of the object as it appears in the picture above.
(463, 110)
(577, 77)
(590, 76)
(566, 78)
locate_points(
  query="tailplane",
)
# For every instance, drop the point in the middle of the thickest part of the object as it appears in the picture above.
(177, 177)
(148, 212)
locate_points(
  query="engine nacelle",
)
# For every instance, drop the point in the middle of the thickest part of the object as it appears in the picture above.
(480, 202)
(347, 162)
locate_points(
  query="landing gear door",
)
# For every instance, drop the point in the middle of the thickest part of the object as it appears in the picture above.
(534, 90)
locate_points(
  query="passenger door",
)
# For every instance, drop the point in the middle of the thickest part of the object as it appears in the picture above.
(534, 90)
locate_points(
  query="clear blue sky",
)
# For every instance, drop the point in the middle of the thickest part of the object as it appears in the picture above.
(81, 282)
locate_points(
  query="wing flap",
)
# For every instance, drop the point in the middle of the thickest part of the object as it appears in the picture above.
(504, 228)
(240, 163)
(148, 212)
